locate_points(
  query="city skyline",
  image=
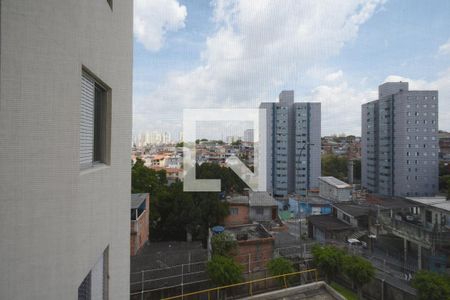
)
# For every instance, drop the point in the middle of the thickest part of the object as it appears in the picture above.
(187, 66)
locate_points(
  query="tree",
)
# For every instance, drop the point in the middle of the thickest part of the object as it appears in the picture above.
(431, 286)
(280, 266)
(223, 244)
(336, 166)
(224, 271)
(359, 270)
(146, 180)
(328, 259)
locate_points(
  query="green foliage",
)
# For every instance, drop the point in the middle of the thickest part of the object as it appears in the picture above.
(230, 182)
(328, 259)
(333, 165)
(431, 286)
(236, 143)
(223, 244)
(223, 270)
(146, 180)
(348, 294)
(178, 212)
(359, 270)
(180, 144)
(174, 212)
(280, 266)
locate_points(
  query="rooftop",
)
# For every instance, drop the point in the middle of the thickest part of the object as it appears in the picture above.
(328, 223)
(440, 202)
(335, 182)
(385, 202)
(353, 209)
(137, 200)
(261, 199)
(248, 232)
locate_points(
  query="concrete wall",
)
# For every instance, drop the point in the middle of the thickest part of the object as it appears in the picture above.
(55, 221)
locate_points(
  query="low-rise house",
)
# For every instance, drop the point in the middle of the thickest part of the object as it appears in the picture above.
(327, 227)
(422, 224)
(140, 206)
(255, 246)
(238, 210)
(334, 189)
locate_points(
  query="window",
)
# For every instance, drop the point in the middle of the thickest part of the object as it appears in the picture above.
(259, 210)
(95, 285)
(234, 211)
(94, 119)
(428, 216)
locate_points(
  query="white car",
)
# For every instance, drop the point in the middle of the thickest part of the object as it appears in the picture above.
(357, 243)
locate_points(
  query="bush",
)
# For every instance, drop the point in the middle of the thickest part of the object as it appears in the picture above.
(280, 266)
(223, 244)
(224, 271)
(431, 286)
(359, 270)
(328, 259)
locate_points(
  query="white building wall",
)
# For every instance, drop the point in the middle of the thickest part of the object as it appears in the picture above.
(55, 221)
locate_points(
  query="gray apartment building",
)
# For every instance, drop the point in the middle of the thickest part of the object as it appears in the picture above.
(399, 142)
(293, 144)
(65, 132)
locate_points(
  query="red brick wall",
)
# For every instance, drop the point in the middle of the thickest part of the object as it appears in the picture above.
(139, 238)
(261, 252)
(240, 219)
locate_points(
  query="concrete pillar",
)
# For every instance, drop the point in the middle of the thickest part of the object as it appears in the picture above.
(419, 257)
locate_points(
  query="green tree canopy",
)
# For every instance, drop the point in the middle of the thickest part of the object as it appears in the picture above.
(146, 180)
(328, 259)
(223, 244)
(280, 266)
(359, 270)
(224, 271)
(431, 286)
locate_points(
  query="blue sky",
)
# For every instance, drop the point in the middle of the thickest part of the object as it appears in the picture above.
(233, 54)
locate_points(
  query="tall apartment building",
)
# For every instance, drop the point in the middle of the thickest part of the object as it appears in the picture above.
(399, 142)
(65, 133)
(293, 150)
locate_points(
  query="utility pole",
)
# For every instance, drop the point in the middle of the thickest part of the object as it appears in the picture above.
(306, 197)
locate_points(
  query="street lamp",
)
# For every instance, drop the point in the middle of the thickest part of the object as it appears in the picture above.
(306, 145)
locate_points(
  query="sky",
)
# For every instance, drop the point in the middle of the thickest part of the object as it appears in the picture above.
(239, 53)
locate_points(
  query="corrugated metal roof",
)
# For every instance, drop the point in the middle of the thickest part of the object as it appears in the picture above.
(137, 199)
(261, 199)
(335, 182)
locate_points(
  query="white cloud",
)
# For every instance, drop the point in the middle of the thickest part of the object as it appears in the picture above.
(445, 48)
(153, 18)
(341, 104)
(256, 50)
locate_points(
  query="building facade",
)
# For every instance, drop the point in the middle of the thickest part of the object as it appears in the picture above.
(139, 233)
(293, 145)
(65, 133)
(399, 142)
